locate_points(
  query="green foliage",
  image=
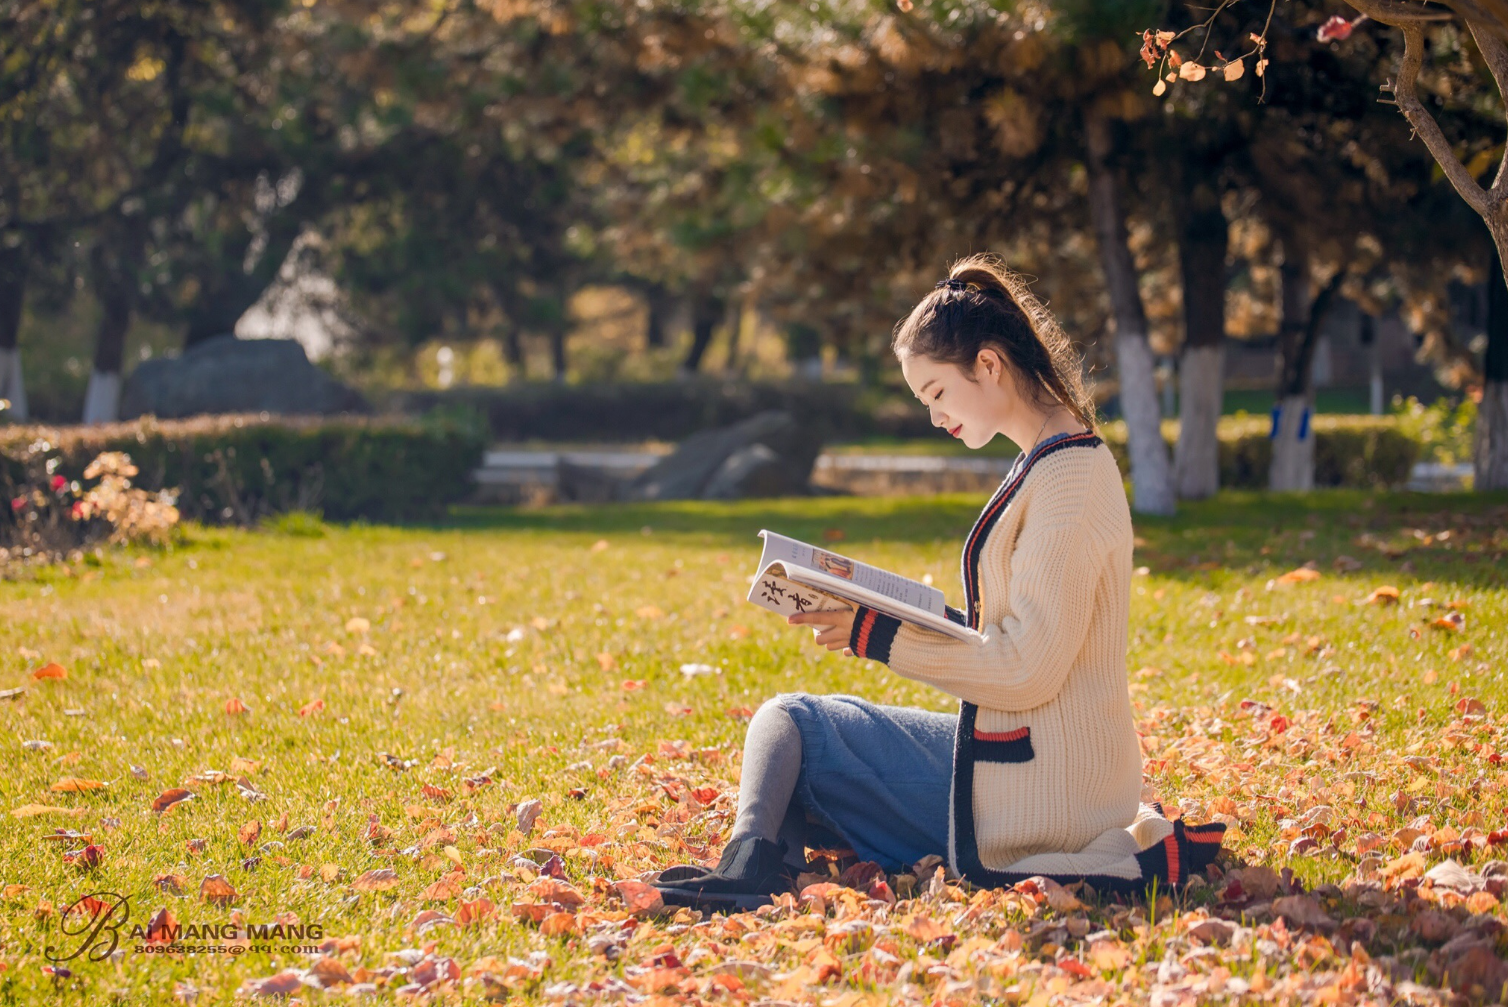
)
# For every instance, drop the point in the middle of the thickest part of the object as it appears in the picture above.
(1360, 452)
(1443, 429)
(240, 469)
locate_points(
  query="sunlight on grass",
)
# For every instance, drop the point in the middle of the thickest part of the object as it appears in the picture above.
(544, 655)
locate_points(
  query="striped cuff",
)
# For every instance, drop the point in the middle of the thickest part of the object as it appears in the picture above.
(872, 634)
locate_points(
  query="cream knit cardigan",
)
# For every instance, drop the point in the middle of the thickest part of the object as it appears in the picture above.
(1047, 759)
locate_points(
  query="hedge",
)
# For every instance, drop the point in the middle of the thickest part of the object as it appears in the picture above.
(673, 410)
(1364, 452)
(240, 469)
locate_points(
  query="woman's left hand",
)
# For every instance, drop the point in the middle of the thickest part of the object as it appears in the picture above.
(832, 629)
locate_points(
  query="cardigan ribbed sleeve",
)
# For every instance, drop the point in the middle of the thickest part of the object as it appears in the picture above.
(1021, 661)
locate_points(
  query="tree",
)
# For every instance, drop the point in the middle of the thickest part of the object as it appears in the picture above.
(13, 266)
(1461, 158)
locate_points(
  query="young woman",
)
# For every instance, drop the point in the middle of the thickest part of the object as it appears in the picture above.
(1040, 770)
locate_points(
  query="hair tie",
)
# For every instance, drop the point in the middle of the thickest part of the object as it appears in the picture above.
(951, 284)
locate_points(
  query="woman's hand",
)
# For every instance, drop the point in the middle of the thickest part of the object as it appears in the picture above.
(832, 629)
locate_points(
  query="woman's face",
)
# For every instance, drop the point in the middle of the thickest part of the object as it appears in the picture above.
(972, 411)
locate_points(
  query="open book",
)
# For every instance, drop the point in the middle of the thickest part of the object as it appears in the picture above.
(797, 577)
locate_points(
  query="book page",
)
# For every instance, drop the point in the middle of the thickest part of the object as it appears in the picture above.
(791, 552)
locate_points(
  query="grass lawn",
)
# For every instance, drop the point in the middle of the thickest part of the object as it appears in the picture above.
(407, 691)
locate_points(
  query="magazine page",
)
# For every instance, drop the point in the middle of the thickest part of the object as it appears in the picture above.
(794, 553)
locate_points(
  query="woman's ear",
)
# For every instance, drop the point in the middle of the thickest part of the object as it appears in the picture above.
(988, 364)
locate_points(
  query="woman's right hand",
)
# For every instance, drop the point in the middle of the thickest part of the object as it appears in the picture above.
(832, 628)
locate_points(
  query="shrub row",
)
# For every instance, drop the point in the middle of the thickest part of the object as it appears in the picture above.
(239, 469)
(1362, 452)
(672, 410)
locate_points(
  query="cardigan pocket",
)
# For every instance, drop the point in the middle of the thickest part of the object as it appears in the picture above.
(1003, 746)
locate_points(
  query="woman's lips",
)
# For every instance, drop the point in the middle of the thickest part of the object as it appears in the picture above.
(955, 430)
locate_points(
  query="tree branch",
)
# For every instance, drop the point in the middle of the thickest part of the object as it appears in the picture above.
(1413, 109)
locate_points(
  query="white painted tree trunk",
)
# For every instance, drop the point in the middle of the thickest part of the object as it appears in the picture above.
(1201, 391)
(1151, 478)
(12, 386)
(1293, 446)
(1151, 470)
(102, 399)
(1490, 450)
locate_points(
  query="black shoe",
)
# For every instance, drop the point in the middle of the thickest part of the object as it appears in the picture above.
(750, 871)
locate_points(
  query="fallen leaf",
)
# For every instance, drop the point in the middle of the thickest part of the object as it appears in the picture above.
(377, 880)
(639, 898)
(234, 706)
(217, 891)
(73, 784)
(32, 810)
(250, 832)
(1385, 595)
(312, 707)
(52, 670)
(528, 814)
(170, 797)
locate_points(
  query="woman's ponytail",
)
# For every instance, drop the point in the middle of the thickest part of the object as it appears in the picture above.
(985, 303)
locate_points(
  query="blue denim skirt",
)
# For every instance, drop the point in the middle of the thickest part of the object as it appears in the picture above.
(876, 776)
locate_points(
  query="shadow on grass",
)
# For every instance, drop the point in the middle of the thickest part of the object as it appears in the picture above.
(1393, 534)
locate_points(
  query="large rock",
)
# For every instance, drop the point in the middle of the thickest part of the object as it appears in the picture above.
(230, 375)
(767, 455)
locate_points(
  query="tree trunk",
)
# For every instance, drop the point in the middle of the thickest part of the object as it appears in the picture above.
(1203, 239)
(1490, 446)
(112, 275)
(733, 321)
(1292, 468)
(1151, 474)
(13, 266)
(1374, 364)
(705, 314)
(102, 399)
(558, 352)
(658, 301)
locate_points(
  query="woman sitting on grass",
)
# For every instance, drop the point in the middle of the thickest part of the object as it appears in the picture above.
(1040, 771)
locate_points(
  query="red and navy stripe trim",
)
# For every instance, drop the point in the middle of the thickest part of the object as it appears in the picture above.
(1003, 746)
(872, 634)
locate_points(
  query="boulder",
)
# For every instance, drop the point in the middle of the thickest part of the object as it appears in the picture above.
(767, 455)
(230, 375)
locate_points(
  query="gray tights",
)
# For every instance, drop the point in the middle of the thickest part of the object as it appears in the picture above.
(767, 804)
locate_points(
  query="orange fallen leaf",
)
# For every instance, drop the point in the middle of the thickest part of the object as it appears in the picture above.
(441, 890)
(1453, 621)
(606, 661)
(558, 923)
(32, 810)
(1301, 575)
(634, 684)
(216, 890)
(250, 832)
(547, 889)
(1385, 595)
(639, 898)
(312, 707)
(170, 797)
(51, 670)
(234, 706)
(73, 784)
